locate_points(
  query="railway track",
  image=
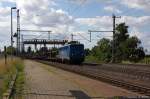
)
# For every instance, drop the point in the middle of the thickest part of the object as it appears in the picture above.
(138, 73)
(102, 76)
(142, 67)
(120, 64)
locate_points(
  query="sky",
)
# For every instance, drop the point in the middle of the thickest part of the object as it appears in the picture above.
(66, 17)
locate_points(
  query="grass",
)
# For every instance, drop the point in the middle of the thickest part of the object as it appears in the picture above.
(4, 68)
(146, 60)
(7, 70)
(20, 80)
(92, 59)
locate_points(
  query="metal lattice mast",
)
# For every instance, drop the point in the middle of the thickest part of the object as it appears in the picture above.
(18, 32)
(114, 41)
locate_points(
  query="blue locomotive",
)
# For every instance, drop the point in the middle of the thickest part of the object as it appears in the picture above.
(72, 53)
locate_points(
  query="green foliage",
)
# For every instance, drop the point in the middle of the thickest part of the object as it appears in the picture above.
(29, 50)
(16, 64)
(19, 85)
(146, 60)
(87, 52)
(91, 58)
(126, 48)
(103, 50)
(10, 50)
(43, 49)
(134, 51)
(53, 52)
(120, 38)
(7, 76)
(121, 34)
(20, 80)
(54, 49)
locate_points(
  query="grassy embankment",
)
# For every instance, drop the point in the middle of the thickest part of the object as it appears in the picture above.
(91, 58)
(146, 60)
(9, 69)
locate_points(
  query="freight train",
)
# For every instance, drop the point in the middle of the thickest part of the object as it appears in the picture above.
(70, 53)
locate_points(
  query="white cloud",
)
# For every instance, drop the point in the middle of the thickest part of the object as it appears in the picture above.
(112, 9)
(99, 20)
(43, 15)
(53, 19)
(8, 0)
(4, 11)
(138, 22)
(88, 1)
(106, 21)
(78, 1)
(137, 4)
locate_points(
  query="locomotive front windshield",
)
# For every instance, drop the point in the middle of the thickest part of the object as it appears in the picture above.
(77, 48)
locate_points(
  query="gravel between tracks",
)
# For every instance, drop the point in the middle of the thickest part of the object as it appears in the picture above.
(46, 82)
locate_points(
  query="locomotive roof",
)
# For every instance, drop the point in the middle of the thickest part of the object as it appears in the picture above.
(71, 44)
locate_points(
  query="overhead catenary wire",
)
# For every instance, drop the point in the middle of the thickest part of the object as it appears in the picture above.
(35, 36)
(84, 37)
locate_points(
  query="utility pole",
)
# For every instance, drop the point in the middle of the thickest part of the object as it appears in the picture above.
(72, 37)
(114, 42)
(5, 53)
(18, 32)
(12, 30)
(49, 32)
(90, 37)
(22, 47)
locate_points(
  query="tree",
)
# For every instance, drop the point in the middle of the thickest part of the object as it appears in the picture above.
(120, 38)
(54, 51)
(103, 50)
(121, 34)
(87, 52)
(133, 50)
(127, 48)
(43, 49)
(11, 50)
(29, 50)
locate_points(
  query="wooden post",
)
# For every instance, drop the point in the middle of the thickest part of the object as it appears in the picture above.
(5, 53)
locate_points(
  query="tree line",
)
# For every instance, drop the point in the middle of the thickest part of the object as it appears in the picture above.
(126, 48)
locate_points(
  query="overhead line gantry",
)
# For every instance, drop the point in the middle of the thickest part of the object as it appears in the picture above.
(36, 41)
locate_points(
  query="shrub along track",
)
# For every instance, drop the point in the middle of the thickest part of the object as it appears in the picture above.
(114, 78)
